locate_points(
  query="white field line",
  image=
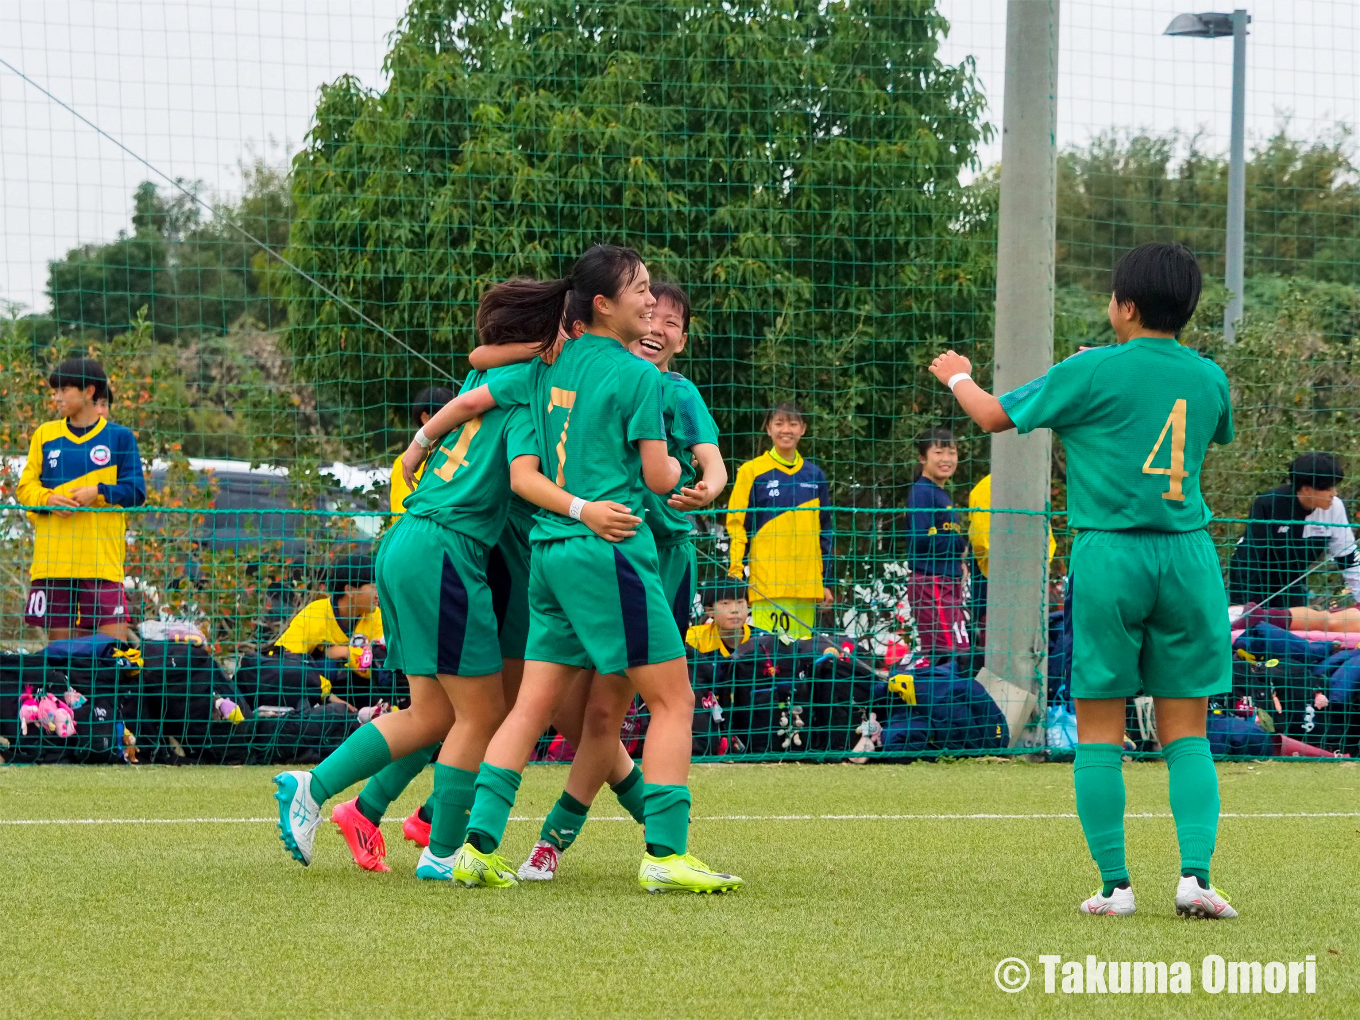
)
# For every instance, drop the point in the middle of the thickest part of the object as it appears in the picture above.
(700, 818)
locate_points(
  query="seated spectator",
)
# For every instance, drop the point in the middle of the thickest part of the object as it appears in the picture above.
(1290, 529)
(934, 544)
(80, 460)
(339, 629)
(726, 627)
(428, 401)
(777, 513)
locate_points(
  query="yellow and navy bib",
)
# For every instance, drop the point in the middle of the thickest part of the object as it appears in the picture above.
(84, 545)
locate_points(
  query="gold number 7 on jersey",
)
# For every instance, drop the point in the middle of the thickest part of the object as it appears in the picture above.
(1175, 421)
(562, 398)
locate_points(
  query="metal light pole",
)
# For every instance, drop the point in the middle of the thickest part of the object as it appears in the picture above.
(1017, 644)
(1215, 26)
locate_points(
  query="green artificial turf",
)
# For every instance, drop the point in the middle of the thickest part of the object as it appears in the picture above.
(841, 917)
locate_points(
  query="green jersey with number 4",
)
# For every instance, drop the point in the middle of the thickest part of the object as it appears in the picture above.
(1136, 420)
(466, 482)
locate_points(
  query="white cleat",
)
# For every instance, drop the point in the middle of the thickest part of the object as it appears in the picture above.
(1118, 904)
(542, 863)
(299, 814)
(434, 868)
(1194, 901)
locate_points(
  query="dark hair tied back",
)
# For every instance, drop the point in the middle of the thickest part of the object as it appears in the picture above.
(532, 311)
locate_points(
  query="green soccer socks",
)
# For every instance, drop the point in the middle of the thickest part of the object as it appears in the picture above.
(387, 785)
(666, 826)
(452, 797)
(364, 753)
(1194, 802)
(564, 822)
(495, 796)
(629, 792)
(1098, 775)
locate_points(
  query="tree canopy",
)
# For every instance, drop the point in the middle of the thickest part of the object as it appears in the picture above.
(194, 275)
(794, 165)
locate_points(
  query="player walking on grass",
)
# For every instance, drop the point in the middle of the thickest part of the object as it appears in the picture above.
(1149, 610)
(441, 623)
(598, 415)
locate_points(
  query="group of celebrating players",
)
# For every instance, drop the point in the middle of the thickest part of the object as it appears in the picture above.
(507, 621)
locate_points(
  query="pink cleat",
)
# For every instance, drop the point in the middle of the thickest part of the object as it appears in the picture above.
(365, 839)
(416, 829)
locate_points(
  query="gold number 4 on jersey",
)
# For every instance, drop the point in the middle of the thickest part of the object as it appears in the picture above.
(457, 457)
(1175, 421)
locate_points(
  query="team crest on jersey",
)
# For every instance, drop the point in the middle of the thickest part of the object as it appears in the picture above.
(100, 455)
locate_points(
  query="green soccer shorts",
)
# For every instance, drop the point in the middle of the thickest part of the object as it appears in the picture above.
(507, 569)
(601, 604)
(436, 604)
(1149, 615)
(678, 566)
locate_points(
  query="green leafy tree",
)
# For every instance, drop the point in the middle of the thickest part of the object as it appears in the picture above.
(195, 275)
(1302, 215)
(794, 165)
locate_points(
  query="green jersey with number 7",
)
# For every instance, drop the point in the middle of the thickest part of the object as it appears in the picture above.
(1136, 420)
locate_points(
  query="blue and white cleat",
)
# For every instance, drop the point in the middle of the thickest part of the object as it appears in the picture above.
(299, 814)
(435, 868)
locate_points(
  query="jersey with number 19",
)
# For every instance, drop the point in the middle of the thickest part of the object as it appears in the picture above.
(1149, 610)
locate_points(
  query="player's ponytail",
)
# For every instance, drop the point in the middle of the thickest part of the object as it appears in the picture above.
(522, 311)
(534, 311)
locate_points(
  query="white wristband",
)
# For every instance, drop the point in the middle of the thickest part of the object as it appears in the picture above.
(957, 378)
(422, 440)
(577, 503)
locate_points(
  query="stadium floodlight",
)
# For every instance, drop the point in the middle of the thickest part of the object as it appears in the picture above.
(1214, 25)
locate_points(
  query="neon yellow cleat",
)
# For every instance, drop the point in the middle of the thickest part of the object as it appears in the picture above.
(471, 867)
(682, 873)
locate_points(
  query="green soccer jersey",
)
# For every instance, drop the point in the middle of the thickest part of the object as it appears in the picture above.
(1136, 420)
(688, 424)
(466, 482)
(590, 408)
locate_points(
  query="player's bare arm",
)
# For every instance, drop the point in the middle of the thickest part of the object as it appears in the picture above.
(461, 408)
(611, 521)
(489, 356)
(660, 471)
(976, 402)
(710, 483)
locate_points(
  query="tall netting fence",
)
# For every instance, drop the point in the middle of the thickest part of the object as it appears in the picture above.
(274, 232)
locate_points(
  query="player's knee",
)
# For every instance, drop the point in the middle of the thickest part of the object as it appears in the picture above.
(677, 700)
(601, 718)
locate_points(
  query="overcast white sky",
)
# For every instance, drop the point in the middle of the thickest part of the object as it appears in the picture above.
(195, 85)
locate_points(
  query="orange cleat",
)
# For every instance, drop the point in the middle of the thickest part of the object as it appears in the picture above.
(416, 829)
(364, 838)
